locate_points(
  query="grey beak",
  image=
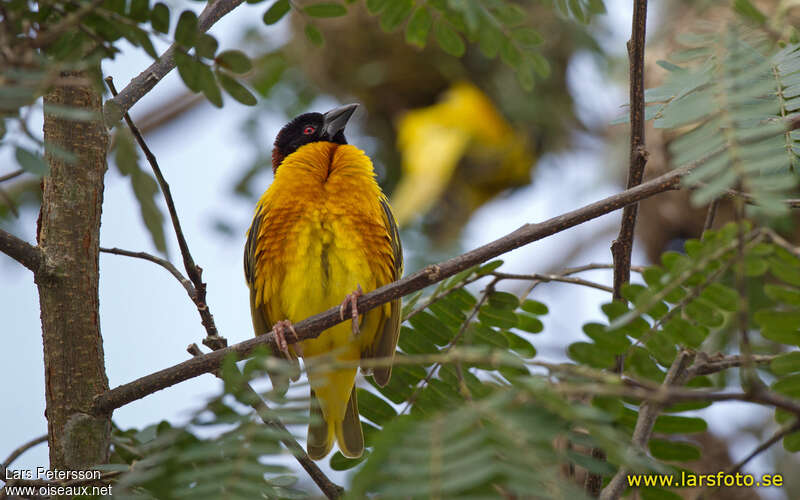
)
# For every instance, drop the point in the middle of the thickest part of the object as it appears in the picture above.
(336, 119)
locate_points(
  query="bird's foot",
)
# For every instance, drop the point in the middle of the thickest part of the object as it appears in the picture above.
(280, 329)
(352, 300)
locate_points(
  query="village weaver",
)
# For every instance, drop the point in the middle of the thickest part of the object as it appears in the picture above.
(324, 231)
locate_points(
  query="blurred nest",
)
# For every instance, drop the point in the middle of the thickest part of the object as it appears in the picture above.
(390, 77)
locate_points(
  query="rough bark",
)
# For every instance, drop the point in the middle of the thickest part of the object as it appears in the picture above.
(69, 237)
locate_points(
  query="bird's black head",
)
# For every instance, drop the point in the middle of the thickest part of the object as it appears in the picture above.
(311, 127)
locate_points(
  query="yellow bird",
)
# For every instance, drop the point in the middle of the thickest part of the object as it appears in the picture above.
(435, 142)
(324, 228)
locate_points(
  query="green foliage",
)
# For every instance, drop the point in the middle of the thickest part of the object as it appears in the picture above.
(733, 99)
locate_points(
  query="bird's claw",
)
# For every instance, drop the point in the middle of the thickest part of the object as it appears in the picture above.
(279, 329)
(352, 300)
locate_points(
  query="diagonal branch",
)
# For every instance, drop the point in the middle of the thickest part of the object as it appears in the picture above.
(313, 326)
(195, 272)
(331, 490)
(21, 251)
(114, 109)
(648, 413)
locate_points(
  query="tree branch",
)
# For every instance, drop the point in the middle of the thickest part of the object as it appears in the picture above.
(114, 109)
(623, 246)
(21, 251)
(313, 326)
(331, 490)
(17, 452)
(648, 412)
(187, 285)
(195, 272)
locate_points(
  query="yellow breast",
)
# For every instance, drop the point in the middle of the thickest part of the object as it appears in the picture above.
(320, 237)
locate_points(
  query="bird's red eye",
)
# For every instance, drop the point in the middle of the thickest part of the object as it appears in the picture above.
(309, 130)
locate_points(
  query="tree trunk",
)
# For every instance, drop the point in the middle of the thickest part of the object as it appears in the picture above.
(69, 230)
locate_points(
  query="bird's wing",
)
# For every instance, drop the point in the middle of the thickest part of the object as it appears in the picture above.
(385, 342)
(262, 323)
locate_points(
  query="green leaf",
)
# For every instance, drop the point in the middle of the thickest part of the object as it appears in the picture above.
(489, 39)
(276, 12)
(674, 424)
(700, 311)
(510, 54)
(186, 31)
(789, 385)
(234, 60)
(502, 318)
(189, 69)
(209, 86)
(791, 443)
(395, 13)
(534, 307)
(590, 354)
(314, 35)
(431, 327)
(374, 408)
(325, 9)
(750, 11)
(784, 294)
(673, 451)
(526, 37)
(139, 10)
(509, 13)
(450, 41)
(375, 6)
(529, 323)
(722, 296)
(236, 89)
(159, 18)
(488, 267)
(341, 462)
(418, 27)
(520, 345)
(206, 46)
(786, 363)
(503, 300)
(31, 162)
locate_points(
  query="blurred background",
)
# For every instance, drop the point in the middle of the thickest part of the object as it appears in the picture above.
(467, 149)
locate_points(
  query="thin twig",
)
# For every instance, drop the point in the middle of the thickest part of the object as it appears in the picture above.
(193, 271)
(114, 109)
(547, 278)
(712, 212)
(623, 246)
(648, 412)
(17, 452)
(779, 434)
(328, 487)
(9, 202)
(411, 399)
(187, 285)
(9, 176)
(706, 365)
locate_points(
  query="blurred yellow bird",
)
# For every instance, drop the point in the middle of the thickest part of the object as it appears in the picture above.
(324, 229)
(434, 140)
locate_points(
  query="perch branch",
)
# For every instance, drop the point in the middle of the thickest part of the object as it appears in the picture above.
(313, 326)
(114, 109)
